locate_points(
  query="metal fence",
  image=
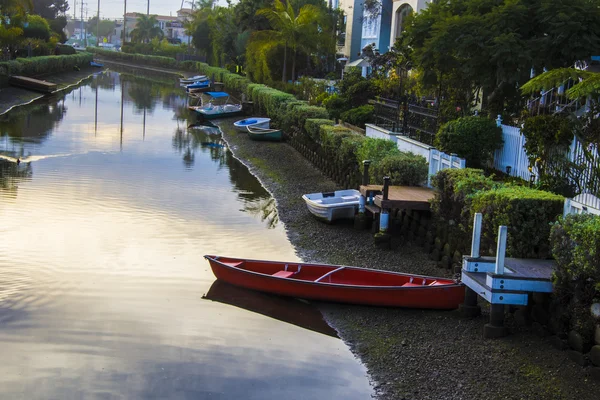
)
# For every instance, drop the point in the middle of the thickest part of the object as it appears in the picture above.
(411, 120)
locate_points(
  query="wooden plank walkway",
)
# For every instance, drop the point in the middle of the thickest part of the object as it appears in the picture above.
(33, 84)
(403, 197)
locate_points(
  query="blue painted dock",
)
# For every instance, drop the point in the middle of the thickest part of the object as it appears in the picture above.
(501, 281)
(520, 277)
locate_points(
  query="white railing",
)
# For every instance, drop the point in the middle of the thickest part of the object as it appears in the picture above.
(439, 160)
(582, 204)
(511, 157)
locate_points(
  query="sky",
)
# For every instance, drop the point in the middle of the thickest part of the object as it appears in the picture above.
(114, 8)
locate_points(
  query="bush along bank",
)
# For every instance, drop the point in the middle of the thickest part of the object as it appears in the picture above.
(460, 193)
(45, 65)
(570, 316)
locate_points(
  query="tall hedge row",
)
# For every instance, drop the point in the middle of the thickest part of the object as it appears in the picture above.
(528, 213)
(44, 65)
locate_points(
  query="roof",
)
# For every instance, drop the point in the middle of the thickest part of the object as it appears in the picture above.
(158, 17)
(361, 62)
(217, 94)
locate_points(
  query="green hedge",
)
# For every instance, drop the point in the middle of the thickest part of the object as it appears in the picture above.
(44, 65)
(331, 139)
(312, 126)
(451, 203)
(404, 169)
(528, 214)
(358, 116)
(472, 138)
(576, 248)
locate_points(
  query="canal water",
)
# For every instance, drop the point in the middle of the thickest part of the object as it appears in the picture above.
(108, 201)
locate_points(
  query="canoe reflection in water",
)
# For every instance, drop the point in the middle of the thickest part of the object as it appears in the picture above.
(292, 311)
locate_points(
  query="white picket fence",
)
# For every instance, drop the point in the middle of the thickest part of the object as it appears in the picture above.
(512, 159)
(584, 203)
(437, 160)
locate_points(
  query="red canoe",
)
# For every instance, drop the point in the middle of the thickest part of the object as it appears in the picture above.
(339, 283)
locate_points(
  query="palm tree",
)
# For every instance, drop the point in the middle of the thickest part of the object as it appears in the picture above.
(588, 83)
(146, 29)
(289, 29)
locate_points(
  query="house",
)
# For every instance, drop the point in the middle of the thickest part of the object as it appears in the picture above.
(379, 27)
(173, 27)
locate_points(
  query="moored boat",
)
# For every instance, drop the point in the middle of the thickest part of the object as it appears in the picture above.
(96, 64)
(197, 78)
(197, 86)
(338, 283)
(212, 110)
(273, 135)
(254, 122)
(329, 206)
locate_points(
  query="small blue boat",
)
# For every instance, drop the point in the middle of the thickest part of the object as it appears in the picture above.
(198, 85)
(95, 64)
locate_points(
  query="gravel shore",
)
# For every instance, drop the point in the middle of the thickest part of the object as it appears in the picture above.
(410, 354)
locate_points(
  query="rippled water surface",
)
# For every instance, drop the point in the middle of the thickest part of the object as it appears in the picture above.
(104, 293)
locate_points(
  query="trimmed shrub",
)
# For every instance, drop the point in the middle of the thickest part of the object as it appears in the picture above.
(297, 112)
(451, 205)
(472, 138)
(348, 149)
(358, 116)
(44, 65)
(405, 169)
(312, 126)
(331, 138)
(454, 187)
(576, 247)
(374, 150)
(528, 214)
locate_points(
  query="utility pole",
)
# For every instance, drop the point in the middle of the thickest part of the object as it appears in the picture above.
(98, 26)
(148, 9)
(81, 24)
(86, 19)
(124, 24)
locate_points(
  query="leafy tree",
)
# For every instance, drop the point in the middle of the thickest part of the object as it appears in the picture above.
(462, 46)
(37, 28)
(12, 15)
(50, 9)
(294, 30)
(106, 27)
(146, 29)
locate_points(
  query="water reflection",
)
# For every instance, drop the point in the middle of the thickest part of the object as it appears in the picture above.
(11, 174)
(292, 311)
(101, 273)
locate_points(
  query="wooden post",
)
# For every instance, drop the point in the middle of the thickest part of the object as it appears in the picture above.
(475, 244)
(386, 187)
(365, 179)
(501, 250)
(495, 328)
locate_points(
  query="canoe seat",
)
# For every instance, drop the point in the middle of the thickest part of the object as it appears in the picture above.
(410, 284)
(436, 283)
(233, 264)
(283, 274)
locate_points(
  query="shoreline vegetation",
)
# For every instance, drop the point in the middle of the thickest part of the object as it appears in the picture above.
(409, 354)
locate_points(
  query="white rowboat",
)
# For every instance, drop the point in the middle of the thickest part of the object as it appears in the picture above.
(341, 204)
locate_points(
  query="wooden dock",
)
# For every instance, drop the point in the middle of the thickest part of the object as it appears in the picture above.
(33, 84)
(501, 281)
(402, 197)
